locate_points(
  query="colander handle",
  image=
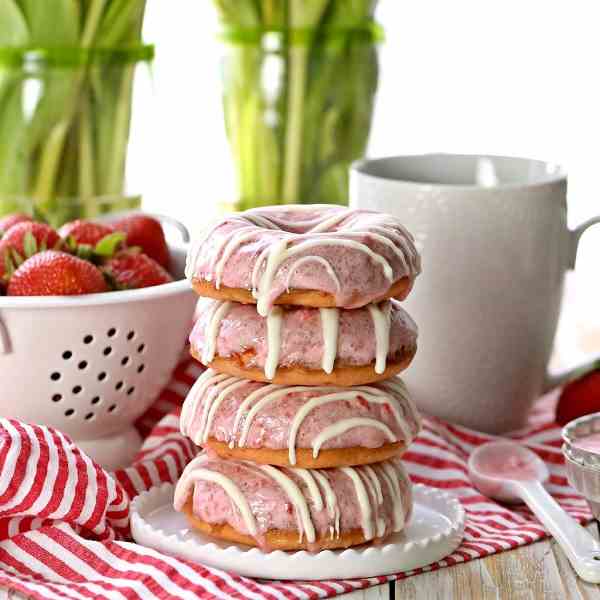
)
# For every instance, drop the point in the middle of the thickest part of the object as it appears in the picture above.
(175, 224)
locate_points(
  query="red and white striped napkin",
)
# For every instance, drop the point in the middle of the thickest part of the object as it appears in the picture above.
(64, 521)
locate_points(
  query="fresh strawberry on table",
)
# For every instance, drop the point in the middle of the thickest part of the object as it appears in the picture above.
(131, 269)
(7, 222)
(580, 397)
(54, 273)
(147, 233)
(22, 241)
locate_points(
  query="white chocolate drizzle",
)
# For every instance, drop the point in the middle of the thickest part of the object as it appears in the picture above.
(211, 390)
(305, 524)
(274, 320)
(381, 316)
(331, 226)
(381, 323)
(375, 487)
(346, 424)
(330, 324)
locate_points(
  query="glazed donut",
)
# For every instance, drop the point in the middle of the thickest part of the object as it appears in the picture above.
(309, 255)
(306, 346)
(301, 426)
(294, 509)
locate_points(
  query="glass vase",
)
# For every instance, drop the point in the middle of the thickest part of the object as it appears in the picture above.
(65, 118)
(298, 104)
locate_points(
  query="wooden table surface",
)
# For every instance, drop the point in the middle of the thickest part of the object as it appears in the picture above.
(540, 570)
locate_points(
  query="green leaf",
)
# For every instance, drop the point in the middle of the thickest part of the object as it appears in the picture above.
(122, 23)
(29, 244)
(17, 259)
(107, 246)
(13, 27)
(52, 22)
(85, 251)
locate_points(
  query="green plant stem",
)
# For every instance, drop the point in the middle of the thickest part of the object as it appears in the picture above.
(86, 158)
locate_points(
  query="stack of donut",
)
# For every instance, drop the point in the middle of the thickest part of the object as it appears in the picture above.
(300, 415)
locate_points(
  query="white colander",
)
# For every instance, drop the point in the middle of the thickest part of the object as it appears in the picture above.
(91, 365)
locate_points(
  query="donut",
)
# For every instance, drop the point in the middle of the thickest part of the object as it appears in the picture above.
(309, 346)
(309, 255)
(294, 509)
(300, 426)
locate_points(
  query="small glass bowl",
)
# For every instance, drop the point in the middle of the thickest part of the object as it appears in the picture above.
(583, 466)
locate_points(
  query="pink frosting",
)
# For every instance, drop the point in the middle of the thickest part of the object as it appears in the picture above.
(360, 277)
(243, 330)
(270, 427)
(273, 509)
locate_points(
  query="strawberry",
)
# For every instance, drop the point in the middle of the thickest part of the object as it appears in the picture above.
(84, 232)
(22, 241)
(132, 270)
(7, 222)
(579, 397)
(53, 273)
(147, 233)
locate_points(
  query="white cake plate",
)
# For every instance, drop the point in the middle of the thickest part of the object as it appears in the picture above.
(435, 530)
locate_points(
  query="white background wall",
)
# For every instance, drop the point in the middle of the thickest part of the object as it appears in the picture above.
(495, 76)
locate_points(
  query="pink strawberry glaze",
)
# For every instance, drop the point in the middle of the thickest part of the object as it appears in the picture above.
(270, 427)
(591, 443)
(361, 279)
(272, 508)
(301, 335)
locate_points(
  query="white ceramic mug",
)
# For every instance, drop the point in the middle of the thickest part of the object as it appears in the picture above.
(495, 246)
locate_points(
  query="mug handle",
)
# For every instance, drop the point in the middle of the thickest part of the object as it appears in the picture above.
(557, 379)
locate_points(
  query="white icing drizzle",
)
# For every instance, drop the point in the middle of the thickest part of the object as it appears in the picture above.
(318, 259)
(318, 231)
(346, 424)
(274, 321)
(312, 486)
(194, 473)
(330, 324)
(375, 481)
(364, 504)
(195, 395)
(381, 316)
(212, 330)
(390, 476)
(212, 389)
(372, 493)
(333, 510)
(296, 497)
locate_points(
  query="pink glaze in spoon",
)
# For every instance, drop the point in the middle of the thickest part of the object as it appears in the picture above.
(510, 472)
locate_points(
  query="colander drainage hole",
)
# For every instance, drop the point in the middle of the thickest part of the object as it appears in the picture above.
(88, 339)
(82, 365)
(111, 332)
(101, 376)
(125, 361)
(69, 412)
(77, 389)
(55, 376)
(107, 351)
(119, 385)
(57, 398)
(141, 348)
(141, 368)
(131, 390)
(112, 408)
(89, 416)
(67, 354)
(130, 335)
(95, 399)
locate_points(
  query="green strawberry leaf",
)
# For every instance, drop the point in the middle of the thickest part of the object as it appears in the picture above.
(29, 244)
(17, 259)
(39, 215)
(9, 267)
(84, 251)
(107, 246)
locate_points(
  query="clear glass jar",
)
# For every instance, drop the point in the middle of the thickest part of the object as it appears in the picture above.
(65, 124)
(298, 106)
